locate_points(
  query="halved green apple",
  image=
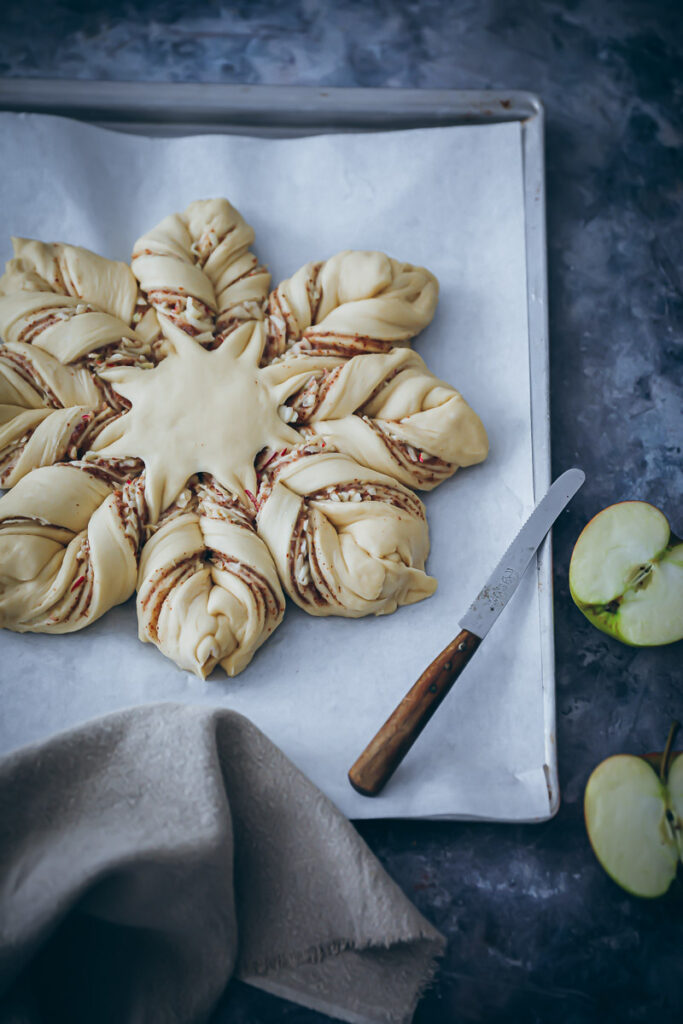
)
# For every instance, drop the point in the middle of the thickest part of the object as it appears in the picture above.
(626, 575)
(634, 821)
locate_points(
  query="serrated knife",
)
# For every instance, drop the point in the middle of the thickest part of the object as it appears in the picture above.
(385, 752)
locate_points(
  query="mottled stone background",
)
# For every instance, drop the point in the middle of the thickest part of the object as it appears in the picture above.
(537, 932)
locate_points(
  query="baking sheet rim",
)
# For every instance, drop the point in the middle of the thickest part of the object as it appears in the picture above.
(433, 106)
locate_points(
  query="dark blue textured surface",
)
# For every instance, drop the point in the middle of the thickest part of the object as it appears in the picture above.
(537, 932)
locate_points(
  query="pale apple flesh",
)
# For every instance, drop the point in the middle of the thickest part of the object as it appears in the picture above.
(675, 785)
(626, 575)
(635, 822)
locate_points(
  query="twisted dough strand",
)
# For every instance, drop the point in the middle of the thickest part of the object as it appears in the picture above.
(69, 546)
(353, 303)
(71, 271)
(346, 540)
(48, 412)
(208, 592)
(385, 410)
(60, 305)
(197, 270)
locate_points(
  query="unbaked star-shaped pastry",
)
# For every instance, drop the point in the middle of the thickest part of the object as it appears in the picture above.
(173, 428)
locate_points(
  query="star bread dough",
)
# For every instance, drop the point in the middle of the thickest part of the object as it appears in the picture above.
(173, 428)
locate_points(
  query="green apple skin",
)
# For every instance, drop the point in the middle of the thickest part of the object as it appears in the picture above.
(634, 822)
(639, 608)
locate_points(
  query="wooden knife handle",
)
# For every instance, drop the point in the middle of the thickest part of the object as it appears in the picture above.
(384, 753)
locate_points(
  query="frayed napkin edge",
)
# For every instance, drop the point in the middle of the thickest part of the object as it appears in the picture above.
(258, 974)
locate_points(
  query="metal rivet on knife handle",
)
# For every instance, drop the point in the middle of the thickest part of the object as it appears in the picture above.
(385, 752)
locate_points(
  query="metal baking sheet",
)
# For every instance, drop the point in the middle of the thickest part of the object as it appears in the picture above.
(181, 109)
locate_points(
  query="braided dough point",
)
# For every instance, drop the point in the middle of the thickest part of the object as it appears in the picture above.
(77, 307)
(68, 550)
(65, 328)
(346, 540)
(33, 379)
(60, 305)
(36, 437)
(208, 592)
(74, 271)
(386, 410)
(48, 412)
(352, 303)
(222, 240)
(197, 271)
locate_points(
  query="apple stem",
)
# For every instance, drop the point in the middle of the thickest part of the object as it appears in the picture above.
(664, 763)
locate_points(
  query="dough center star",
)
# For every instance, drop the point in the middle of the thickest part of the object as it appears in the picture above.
(198, 411)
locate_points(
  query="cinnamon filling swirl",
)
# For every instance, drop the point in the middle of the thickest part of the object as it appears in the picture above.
(10, 455)
(269, 604)
(23, 367)
(425, 468)
(306, 577)
(357, 491)
(270, 464)
(78, 599)
(91, 424)
(132, 511)
(113, 472)
(305, 403)
(163, 582)
(126, 352)
(207, 243)
(51, 315)
(204, 496)
(187, 312)
(328, 343)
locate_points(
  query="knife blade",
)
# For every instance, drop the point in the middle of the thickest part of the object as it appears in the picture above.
(503, 581)
(386, 750)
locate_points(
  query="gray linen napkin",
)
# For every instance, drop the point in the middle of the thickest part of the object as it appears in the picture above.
(148, 856)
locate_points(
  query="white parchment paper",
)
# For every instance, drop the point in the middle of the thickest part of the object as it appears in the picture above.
(452, 200)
